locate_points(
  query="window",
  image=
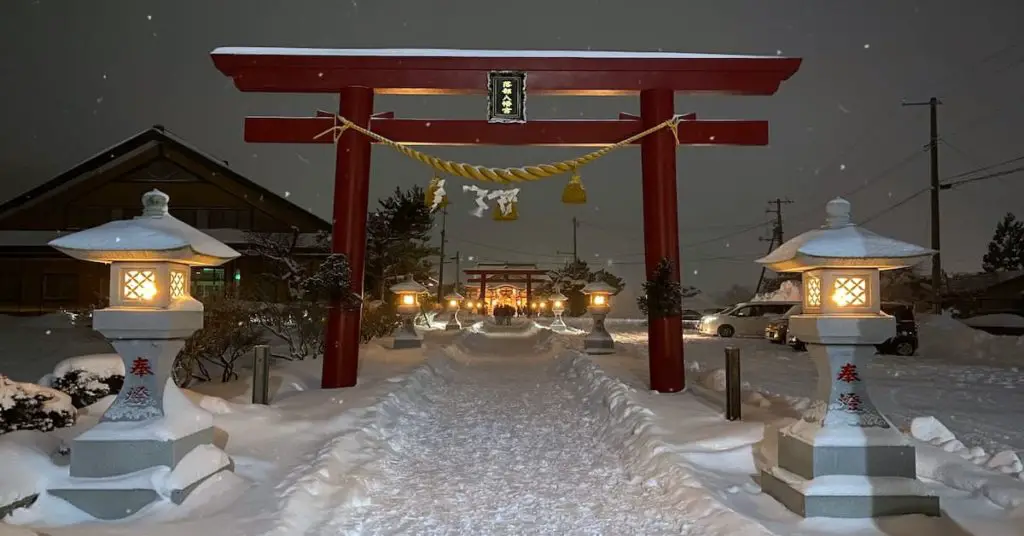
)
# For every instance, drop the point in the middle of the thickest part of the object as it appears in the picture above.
(813, 297)
(747, 311)
(10, 288)
(60, 287)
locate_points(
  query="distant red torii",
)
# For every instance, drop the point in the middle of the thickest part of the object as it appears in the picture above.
(356, 75)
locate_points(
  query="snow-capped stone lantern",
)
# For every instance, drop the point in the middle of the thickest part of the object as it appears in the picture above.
(599, 296)
(151, 426)
(454, 301)
(843, 458)
(557, 308)
(408, 292)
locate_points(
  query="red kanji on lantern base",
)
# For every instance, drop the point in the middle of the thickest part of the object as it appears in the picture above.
(141, 367)
(850, 402)
(848, 373)
(137, 395)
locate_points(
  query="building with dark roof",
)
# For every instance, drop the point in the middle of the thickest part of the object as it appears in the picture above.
(205, 193)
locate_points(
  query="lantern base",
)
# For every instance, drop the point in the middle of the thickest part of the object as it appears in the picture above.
(115, 479)
(599, 341)
(558, 324)
(849, 496)
(406, 336)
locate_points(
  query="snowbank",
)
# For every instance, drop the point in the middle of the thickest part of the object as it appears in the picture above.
(943, 335)
(995, 321)
(27, 466)
(651, 458)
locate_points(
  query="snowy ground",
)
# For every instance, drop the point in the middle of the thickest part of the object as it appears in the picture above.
(485, 433)
(970, 380)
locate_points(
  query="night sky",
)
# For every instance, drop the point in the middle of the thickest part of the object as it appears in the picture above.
(79, 76)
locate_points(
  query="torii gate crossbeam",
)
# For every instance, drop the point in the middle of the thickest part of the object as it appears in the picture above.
(356, 75)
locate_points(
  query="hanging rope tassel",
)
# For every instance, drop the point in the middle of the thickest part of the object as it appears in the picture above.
(511, 215)
(574, 193)
(436, 187)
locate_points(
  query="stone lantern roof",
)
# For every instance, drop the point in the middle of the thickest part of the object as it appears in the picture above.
(598, 286)
(454, 295)
(409, 285)
(558, 296)
(155, 236)
(840, 243)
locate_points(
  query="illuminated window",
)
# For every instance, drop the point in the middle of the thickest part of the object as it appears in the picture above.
(850, 292)
(177, 284)
(813, 291)
(139, 285)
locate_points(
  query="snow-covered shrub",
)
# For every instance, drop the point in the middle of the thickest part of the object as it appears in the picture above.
(379, 320)
(228, 334)
(86, 387)
(26, 406)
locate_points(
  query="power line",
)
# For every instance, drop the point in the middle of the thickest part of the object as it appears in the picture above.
(958, 74)
(957, 183)
(983, 168)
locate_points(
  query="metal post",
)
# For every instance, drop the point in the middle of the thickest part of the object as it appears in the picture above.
(732, 383)
(261, 374)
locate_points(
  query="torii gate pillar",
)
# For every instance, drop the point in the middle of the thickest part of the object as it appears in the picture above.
(348, 237)
(661, 235)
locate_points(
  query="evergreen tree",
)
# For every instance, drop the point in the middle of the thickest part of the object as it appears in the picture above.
(570, 280)
(1006, 250)
(662, 295)
(397, 241)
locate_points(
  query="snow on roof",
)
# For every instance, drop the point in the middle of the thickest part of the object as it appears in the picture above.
(842, 244)
(461, 53)
(408, 285)
(598, 286)
(154, 236)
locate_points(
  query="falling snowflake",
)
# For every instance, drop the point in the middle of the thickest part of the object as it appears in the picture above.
(427, 124)
(321, 75)
(726, 244)
(778, 52)
(843, 109)
(695, 272)
(99, 100)
(104, 76)
(287, 193)
(842, 167)
(867, 45)
(48, 332)
(149, 17)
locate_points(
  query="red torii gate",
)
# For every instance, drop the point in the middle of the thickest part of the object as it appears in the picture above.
(355, 75)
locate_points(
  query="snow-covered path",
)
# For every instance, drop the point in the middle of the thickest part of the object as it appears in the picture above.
(506, 445)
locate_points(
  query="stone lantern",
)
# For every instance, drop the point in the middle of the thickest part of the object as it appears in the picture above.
(599, 295)
(557, 308)
(151, 426)
(408, 292)
(454, 301)
(843, 458)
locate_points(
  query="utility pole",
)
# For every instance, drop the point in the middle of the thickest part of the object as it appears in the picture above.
(778, 236)
(933, 146)
(440, 271)
(575, 251)
(458, 271)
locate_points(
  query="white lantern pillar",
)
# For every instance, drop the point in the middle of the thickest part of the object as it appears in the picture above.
(454, 301)
(843, 458)
(598, 341)
(557, 308)
(151, 426)
(408, 292)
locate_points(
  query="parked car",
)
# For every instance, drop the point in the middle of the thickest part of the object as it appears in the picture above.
(744, 319)
(905, 341)
(777, 330)
(691, 319)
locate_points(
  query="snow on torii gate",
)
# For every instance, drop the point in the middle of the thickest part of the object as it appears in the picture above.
(355, 75)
